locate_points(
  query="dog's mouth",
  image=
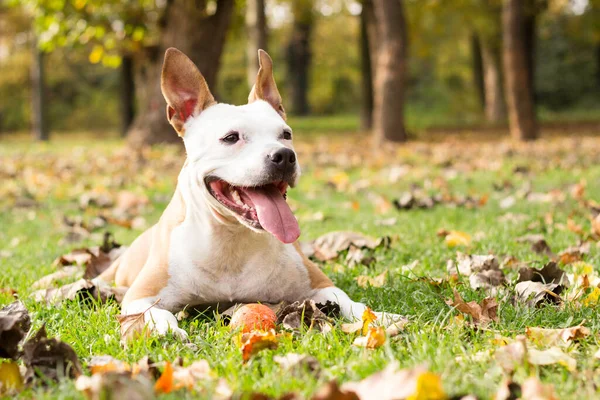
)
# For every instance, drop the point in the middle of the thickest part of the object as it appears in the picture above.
(261, 207)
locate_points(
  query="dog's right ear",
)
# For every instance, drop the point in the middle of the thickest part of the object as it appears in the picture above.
(184, 88)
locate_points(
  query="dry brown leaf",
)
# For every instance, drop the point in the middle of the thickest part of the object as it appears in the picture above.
(517, 353)
(295, 363)
(551, 273)
(483, 270)
(294, 316)
(377, 281)
(115, 385)
(553, 355)
(574, 254)
(596, 226)
(482, 314)
(328, 246)
(538, 244)
(81, 289)
(49, 358)
(14, 325)
(68, 272)
(557, 337)
(534, 293)
(253, 342)
(132, 325)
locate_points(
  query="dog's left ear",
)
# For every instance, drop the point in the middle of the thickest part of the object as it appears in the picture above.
(184, 89)
(265, 87)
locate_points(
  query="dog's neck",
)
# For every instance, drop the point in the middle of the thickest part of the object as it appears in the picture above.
(225, 230)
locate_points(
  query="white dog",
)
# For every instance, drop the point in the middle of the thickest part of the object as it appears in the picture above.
(228, 234)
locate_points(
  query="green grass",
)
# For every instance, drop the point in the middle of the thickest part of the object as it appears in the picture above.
(56, 174)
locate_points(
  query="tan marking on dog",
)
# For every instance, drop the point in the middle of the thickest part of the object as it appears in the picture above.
(145, 265)
(318, 280)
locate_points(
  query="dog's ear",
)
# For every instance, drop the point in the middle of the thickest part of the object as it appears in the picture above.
(184, 88)
(265, 87)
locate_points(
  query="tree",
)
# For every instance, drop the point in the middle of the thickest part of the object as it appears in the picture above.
(368, 50)
(390, 71)
(187, 26)
(39, 120)
(299, 56)
(256, 29)
(142, 30)
(518, 69)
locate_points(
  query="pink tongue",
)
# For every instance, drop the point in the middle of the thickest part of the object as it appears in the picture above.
(273, 213)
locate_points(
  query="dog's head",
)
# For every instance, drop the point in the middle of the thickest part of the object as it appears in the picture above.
(242, 157)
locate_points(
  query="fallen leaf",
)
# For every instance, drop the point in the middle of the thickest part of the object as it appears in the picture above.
(538, 244)
(377, 281)
(375, 337)
(533, 389)
(358, 256)
(11, 380)
(512, 355)
(550, 273)
(297, 314)
(253, 342)
(14, 325)
(115, 385)
(553, 355)
(81, 290)
(457, 238)
(328, 246)
(295, 363)
(534, 293)
(132, 326)
(332, 391)
(393, 383)
(556, 337)
(596, 226)
(49, 358)
(482, 314)
(66, 273)
(368, 317)
(574, 254)
(165, 384)
(483, 270)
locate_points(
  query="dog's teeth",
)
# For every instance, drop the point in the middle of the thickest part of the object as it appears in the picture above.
(236, 198)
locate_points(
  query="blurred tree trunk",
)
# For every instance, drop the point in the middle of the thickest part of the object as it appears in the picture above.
(127, 93)
(367, 39)
(477, 65)
(390, 71)
(187, 26)
(517, 71)
(39, 120)
(256, 29)
(299, 56)
(495, 109)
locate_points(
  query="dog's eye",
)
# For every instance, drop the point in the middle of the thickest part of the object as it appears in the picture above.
(231, 138)
(287, 135)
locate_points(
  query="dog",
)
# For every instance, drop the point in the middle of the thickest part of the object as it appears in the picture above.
(228, 234)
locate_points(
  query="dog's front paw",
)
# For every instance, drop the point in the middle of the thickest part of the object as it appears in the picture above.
(162, 322)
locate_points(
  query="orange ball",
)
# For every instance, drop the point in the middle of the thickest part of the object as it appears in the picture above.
(253, 317)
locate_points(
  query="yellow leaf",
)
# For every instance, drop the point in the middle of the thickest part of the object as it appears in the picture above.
(367, 317)
(457, 238)
(256, 341)
(10, 377)
(592, 298)
(374, 338)
(429, 387)
(96, 55)
(378, 281)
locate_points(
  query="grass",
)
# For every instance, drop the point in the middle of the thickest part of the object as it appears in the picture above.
(342, 179)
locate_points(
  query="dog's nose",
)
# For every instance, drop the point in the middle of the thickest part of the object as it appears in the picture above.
(282, 158)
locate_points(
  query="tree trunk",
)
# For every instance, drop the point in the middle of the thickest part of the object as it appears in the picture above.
(477, 65)
(390, 72)
(495, 110)
(39, 120)
(299, 57)
(127, 92)
(256, 29)
(186, 26)
(366, 21)
(517, 74)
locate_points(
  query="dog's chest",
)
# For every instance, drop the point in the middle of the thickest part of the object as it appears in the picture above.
(209, 269)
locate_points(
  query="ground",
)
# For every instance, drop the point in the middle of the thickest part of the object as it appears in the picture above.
(346, 185)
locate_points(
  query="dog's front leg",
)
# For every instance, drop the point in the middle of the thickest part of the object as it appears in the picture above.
(156, 319)
(352, 310)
